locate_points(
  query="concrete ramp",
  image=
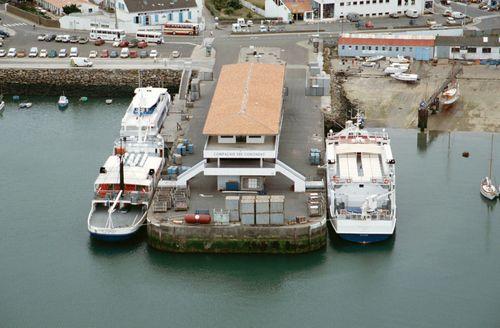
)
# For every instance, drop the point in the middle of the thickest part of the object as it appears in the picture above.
(183, 178)
(183, 87)
(298, 179)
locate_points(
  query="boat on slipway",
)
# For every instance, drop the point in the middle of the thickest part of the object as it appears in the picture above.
(450, 95)
(125, 187)
(146, 112)
(405, 77)
(361, 184)
(2, 104)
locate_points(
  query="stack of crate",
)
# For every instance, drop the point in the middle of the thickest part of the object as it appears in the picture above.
(181, 199)
(315, 204)
(163, 200)
(247, 210)
(262, 210)
(233, 205)
(277, 209)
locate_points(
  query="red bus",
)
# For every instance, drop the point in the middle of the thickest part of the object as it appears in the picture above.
(180, 28)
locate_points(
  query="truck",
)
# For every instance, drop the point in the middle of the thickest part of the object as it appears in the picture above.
(80, 62)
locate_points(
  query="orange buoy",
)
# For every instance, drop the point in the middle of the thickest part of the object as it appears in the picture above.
(197, 218)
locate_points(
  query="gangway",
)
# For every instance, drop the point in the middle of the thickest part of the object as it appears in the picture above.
(298, 179)
(184, 177)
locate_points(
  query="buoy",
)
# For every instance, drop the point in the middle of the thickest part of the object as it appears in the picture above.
(15, 98)
(84, 99)
(109, 101)
(465, 154)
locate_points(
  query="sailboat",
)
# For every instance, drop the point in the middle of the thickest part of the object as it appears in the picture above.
(63, 102)
(451, 94)
(487, 187)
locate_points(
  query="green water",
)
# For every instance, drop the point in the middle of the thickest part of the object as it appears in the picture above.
(441, 270)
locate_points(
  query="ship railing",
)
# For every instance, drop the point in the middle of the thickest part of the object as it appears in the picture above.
(380, 215)
(372, 137)
(342, 181)
(132, 196)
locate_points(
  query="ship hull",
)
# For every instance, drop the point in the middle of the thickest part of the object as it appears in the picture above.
(364, 238)
(112, 237)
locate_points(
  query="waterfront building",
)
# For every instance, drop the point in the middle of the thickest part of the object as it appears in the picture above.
(468, 47)
(135, 15)
(419, 47)
(288, 10)
(243, 129)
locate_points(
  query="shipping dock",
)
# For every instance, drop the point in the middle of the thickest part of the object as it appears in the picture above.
(251, 186)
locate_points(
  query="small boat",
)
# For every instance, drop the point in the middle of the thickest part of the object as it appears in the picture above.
(374, 58)
(25, 105)
(368, 64)
(487, 187)
(84, 99)
(63, 102)
(395, 70)
(2, 104)
(399, 59)
(450, 95)
(405, 77)
(109, 101)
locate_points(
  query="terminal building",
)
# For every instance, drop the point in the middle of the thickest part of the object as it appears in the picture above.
(243, 129)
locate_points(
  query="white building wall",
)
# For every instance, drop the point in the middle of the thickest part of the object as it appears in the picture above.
(370, 8)
(272, 10)
(464, 53)
(131, 22)
(86, 22)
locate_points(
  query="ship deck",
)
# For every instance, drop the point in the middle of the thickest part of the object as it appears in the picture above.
(120, 220)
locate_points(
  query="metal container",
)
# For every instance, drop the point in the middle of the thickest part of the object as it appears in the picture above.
(232, 185)
(262, 218)
(277, 218)
(232, 202)
(247, 204)
(177, 158)
(247, 218)
(262, 204)
(277, 204)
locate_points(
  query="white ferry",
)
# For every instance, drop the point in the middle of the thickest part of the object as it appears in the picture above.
(361, 184)
(146, 112)
(125, 186)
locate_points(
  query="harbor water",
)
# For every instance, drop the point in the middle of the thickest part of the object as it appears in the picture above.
(442, 269)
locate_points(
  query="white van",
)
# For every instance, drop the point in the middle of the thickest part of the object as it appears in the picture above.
(458, 15)
(80, 62)
(242, 22)
(124, 53)
(412, 13)
(33, 52)
(236, 27)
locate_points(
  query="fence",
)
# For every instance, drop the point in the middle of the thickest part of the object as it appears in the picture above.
(32, 17)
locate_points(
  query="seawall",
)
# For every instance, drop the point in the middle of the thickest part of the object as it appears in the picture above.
(79, 82)
(237, 238)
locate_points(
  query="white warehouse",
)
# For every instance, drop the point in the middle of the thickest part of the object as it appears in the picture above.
(338, 9)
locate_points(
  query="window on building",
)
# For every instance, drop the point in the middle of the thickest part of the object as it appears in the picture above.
(455, 49)
(369, 47)
(349, 47)
(368, 2)
(189, 15)
(406, 2)
(404, 48)
(376, 48)
(355, 47)
(390, 48)
(363, 48)
(156, 18)
(412, 2)
(136, 19)
(471, 50)
(486, 50)
(354, 3)
(411, 49)
(397, 48)
(241, 139)
(387, 13)
(343, 47)
(361, 2)
(348, 3)
(170, 16)
(380, 1)
(383, 48)
(341, 4)
(380, 14)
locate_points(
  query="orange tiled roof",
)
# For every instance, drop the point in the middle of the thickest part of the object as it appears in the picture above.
(298, 6)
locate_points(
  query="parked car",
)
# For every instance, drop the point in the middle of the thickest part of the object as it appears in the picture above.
(369, 24)
(83, 40)
(93, 54)
(3, 53)
(43, 53)
(353, 17)
(437, 27)
(450, 21)
(33, 52)
(41, 37)
(394, 15)
(123, 44)
(50, 37)
(73, 52)
(4, 34)
(80, 62)
(249, 22)
(133, 43)
(65, 38)
(116, 44)
(430, 22)
(153, 53)
(21, 53)
(12, 52)
(63, 53)
(105, 53)
(74, 39)
(144, 54)
(124, 53)
(133, 54)
(412, 13)
(52, 53)
(176, 54)
(458, 15)
(262, 28)
(113, 54)
(142, 44)
(99, 42)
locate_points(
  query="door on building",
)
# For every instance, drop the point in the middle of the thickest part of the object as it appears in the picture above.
(181, 17)
(422, 53)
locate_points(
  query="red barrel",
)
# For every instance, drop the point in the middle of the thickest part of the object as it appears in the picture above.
(197, 218)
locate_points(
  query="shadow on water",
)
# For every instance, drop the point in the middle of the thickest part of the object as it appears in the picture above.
(425, 139)
(343, 246)
(105, 249)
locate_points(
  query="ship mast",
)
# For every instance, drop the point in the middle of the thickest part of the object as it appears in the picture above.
(491, 156)
(122, 178)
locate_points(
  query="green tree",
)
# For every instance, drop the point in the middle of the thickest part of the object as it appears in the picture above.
(235, 4)
(71, 9)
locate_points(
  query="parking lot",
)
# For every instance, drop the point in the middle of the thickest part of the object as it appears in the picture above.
(54, 47)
